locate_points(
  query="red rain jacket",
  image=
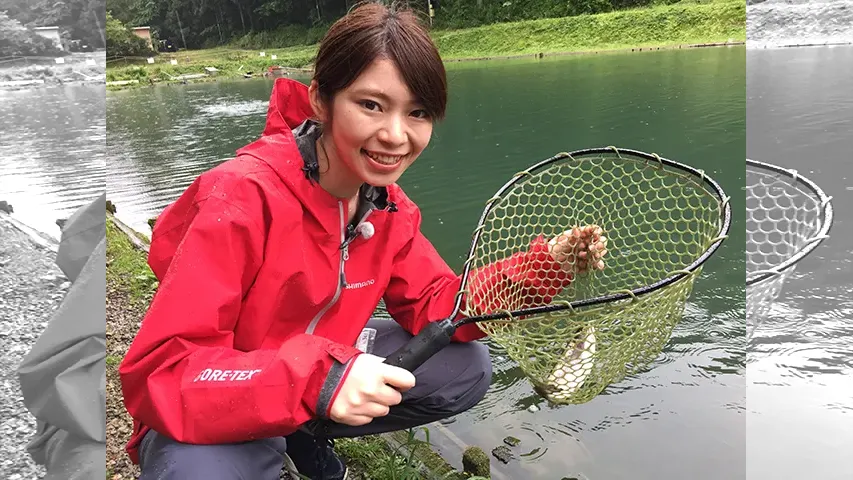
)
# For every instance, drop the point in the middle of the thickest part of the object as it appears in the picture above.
(251, 331)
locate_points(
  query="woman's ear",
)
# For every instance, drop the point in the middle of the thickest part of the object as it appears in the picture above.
(316, 101)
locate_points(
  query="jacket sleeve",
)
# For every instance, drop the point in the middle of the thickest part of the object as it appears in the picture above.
(63, 377)
(182, 375)
(423, 287)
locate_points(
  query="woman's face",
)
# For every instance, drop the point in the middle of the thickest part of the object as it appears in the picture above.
(378, 128)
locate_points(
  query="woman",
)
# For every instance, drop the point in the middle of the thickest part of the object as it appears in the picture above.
(272, 263)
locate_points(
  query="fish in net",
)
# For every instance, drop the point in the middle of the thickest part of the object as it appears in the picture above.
(581, 265)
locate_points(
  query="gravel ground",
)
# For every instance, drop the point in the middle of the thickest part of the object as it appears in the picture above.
(31, 288)
(123, 317)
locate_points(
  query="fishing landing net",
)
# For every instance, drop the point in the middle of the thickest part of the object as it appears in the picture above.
(787, 217)
(659, 222)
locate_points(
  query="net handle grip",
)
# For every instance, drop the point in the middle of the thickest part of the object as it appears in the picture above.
(429, 341)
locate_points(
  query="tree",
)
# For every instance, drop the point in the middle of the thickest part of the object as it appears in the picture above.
(121, 42)
(18, 40)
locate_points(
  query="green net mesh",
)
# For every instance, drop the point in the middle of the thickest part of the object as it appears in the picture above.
(657, 220)
(786, 216)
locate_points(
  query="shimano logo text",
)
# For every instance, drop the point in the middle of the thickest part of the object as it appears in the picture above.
(366, 283)
(215, 375)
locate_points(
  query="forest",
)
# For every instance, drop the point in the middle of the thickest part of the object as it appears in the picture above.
(194, 24)
(81, 25)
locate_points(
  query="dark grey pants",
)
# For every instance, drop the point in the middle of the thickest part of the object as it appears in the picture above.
(449, 383)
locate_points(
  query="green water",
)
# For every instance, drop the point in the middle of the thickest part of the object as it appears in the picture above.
(682, 419)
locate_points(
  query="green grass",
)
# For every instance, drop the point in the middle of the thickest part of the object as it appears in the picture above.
(127, 267)
(658, 26)
(230, 63)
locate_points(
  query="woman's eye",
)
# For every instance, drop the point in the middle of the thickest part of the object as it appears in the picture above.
(420, 114)
(370, 104)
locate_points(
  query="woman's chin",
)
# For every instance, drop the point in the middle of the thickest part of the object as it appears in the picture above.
(380, 180)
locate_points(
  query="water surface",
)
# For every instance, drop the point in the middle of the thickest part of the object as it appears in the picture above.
(53, 159)
(800, 370)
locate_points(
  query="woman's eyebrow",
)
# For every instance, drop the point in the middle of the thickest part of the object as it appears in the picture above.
(374, 92)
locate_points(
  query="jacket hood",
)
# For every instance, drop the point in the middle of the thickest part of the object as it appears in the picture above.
(289, 106)
(80, 235)
(294, 159)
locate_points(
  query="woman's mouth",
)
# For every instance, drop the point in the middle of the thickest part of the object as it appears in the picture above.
(382, 159)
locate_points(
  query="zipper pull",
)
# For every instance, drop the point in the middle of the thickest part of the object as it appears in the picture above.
(344, 258)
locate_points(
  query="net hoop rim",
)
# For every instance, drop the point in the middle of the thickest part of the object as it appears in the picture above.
(699, 175)
(822, 234)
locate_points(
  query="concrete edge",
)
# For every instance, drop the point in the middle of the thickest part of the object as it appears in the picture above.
(593, 52)
(39, 239)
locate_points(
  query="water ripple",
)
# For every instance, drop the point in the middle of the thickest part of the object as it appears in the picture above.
(54, 141)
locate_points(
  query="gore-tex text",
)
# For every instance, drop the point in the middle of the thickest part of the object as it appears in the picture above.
(215, 375)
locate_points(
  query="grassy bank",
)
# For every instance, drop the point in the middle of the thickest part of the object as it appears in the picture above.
(33, 71)
(130, 286)
(655, 27)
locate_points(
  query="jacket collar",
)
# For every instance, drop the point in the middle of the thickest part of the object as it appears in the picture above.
(291, 134)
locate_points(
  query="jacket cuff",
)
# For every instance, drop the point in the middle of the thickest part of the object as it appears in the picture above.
(332, 386)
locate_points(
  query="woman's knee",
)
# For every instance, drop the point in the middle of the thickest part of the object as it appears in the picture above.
(478, 376)
(464, 384)
(166, 459)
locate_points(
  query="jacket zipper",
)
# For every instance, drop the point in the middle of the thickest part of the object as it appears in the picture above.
(341, 275)
(342, 279)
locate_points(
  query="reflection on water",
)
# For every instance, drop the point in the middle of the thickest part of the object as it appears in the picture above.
(504, 116)
(800, 370)
(53, 142)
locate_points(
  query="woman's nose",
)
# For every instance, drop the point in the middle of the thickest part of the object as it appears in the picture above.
(393, 132)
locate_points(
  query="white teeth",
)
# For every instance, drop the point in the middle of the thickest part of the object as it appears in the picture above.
(384, 159)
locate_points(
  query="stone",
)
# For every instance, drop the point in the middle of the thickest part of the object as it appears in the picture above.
(502, 453)
(476, 462)
(511, 441)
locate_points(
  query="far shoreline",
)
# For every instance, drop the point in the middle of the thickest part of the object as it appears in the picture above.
(123, 85)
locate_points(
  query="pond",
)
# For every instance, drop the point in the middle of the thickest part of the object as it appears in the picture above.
(800, 380)
(685, 418)
(53, 142)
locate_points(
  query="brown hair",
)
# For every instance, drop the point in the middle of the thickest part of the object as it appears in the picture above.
(372, 31)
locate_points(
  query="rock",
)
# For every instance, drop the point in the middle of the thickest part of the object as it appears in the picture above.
(502, 453)
(476, 462)
(60, 222)
(151, 222)
(110, 207)
(511, 441)
(6, 207)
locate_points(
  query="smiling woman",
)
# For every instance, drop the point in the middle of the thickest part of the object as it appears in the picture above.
(372, 131)
(287, 212)
(376, 103)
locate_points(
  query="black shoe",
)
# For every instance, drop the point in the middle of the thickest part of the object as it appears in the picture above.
(313, 457)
